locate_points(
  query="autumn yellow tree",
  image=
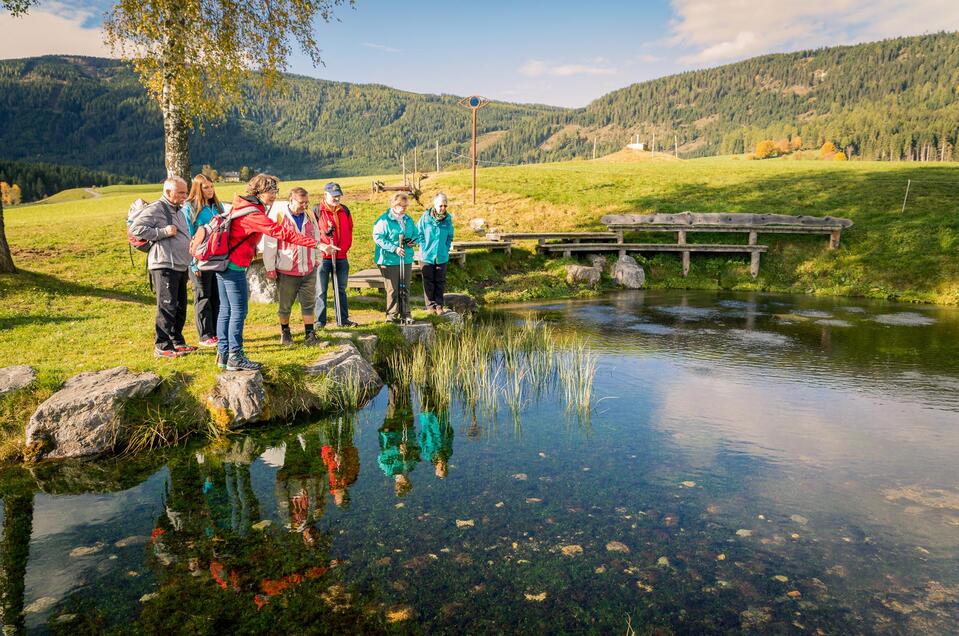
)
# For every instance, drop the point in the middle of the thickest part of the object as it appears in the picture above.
(796, 143)
(783, 147)
(765, 149)
(839, 156)
(828, 150)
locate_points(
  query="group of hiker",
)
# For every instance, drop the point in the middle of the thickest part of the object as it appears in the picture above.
(190, 235)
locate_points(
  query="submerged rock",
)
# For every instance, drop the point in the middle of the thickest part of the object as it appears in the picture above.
(742, 532)
(571, 550)
(581, 275)
(627, 273)
(536, 598)
(238, 398)
(399, 613)
(83, 418)
(465, 523)
(40, 605)
(904, 319)
(15, 378)
(134, 540)
(616, 546)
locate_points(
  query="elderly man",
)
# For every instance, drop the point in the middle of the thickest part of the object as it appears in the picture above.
(336, 231)
(165, 228)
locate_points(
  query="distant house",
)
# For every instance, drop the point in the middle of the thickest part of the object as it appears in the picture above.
(637, 146)
(233, 177)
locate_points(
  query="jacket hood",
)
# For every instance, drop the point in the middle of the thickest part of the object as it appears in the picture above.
(242, 202)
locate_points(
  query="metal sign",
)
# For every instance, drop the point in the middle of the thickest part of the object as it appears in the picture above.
(474, 103)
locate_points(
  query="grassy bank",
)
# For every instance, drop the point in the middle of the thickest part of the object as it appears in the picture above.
(79, 305)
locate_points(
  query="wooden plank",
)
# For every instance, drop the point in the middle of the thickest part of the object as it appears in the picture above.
(568, 248)
(724, 218)
(482, 245)
(544, 236)
(766, 229)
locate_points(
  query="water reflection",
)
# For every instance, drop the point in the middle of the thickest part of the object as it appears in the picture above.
(750, 467)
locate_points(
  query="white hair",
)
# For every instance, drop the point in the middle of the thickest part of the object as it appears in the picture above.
(172, 182)
(440, 198)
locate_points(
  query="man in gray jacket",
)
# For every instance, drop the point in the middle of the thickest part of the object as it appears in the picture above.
(168, 261)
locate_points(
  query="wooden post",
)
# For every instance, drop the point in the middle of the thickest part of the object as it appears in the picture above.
(567, 254)
(414, 162)
(437, 155)
(681, 237)
(685, 263)
(594, 147)
(834, 239)
(754, 264)
(753, 237)
(404, 169)
(474, 155)
(619, 235)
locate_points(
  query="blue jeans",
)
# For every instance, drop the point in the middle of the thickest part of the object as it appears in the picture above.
(325, 273)
(234, 295)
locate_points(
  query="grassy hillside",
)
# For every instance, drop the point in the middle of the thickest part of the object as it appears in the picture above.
(79, 304)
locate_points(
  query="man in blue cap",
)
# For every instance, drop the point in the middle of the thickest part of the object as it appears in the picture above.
(336, 229)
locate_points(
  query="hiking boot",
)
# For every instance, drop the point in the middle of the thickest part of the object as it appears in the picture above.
(185, 349)
(407, 321)
(221, 360)
(166, 353)
(239, 362)
(350, 323)
(286, 339)
(208, 342)
(392, 320)
(311, 339)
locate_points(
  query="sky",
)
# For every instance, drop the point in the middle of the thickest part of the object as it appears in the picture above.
(558, 52)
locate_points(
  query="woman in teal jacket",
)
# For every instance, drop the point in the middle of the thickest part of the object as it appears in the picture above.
(436, 237)
(200, 208)
(394, 259)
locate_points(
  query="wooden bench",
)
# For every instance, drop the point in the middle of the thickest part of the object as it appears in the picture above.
(685, 249)
(542, 237)
(752, 224)
(371, 278)
(506, 246)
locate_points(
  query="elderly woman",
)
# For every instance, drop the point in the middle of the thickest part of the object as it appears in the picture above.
(394, 234)
(249, 223)
(436, 237)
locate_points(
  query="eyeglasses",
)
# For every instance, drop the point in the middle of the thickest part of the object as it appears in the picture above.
(441, 206)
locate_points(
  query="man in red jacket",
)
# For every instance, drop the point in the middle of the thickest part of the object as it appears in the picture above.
(336, 228)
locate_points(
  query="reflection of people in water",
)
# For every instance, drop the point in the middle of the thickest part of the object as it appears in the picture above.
(436, 436)
(342, 460)
(399, 452)
(300, 488)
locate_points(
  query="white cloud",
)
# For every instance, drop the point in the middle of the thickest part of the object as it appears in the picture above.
(538, 68)
(714, 31)
(380, 47)
(54, 29)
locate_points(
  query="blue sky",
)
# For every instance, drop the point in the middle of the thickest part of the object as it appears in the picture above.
(562, 52)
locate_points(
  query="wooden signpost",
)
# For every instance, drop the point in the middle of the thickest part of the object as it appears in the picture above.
(474, 103)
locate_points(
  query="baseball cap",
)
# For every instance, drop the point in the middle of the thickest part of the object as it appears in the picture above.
(333, 188)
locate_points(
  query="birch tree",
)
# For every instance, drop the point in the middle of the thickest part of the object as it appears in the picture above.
(195, 57)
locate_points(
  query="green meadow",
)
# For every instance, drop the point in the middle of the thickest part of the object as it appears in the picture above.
(78, 304)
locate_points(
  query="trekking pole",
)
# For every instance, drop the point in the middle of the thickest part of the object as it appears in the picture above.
(336, 291)
(403, 291)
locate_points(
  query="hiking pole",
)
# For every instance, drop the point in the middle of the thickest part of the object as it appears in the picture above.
(403, 291)
(336, 290)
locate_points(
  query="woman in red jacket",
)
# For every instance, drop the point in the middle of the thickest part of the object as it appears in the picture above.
(250, 222)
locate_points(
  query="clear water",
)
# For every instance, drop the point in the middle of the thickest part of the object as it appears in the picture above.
(752, 464)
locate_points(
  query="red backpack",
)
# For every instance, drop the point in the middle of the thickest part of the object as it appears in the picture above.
(210, 244)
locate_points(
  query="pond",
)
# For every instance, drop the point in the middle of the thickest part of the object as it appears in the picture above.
(751, 463)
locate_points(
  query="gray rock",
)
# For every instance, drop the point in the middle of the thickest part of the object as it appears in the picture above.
(83, 417)
(15, 378)
(345, 362)
(238, 398)
(452, 317)
(627, 272)
(419, 332)
(365, 342)
(478, 226)
(262, 289)
(597, 261)
(460, 303)
(578, 274)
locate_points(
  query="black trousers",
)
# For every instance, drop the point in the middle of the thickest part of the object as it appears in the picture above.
(170, 286)
(206, 303)
(434, 284)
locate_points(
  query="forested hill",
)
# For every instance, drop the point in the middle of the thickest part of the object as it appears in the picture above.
(895, 99)
(93, 112)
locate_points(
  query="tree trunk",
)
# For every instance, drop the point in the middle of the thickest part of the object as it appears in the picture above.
(14, 552)
(176, 137)
(6, 258)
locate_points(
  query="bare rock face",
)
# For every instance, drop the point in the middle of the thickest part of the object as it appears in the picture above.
(345, 362)
(238, 398)
(83, 418)
(460, 303)
(15, 378)
(262, 289)
(627, 272)
(579, 275)
(478, 226)
(419, 332)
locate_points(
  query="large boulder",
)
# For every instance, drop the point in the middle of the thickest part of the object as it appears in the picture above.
(365, 342)
(580, 275)
(15, 378)
(238, 398)
(345, 362)
(419, 332)
(262, 289)
(627, 272)
(478, 226)
(460, 303)
(83, 418)
(597, 261)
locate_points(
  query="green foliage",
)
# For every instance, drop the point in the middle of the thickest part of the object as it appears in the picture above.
(39, 180)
